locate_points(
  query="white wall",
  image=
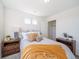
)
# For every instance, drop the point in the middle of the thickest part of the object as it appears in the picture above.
(1, 25)
(68, 22)
(14, 19)
(1, 19)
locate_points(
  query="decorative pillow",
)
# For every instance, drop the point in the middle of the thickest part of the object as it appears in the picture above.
(39, 38)
(32, 36)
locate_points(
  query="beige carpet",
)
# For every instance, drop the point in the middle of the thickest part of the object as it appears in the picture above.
(77, 57)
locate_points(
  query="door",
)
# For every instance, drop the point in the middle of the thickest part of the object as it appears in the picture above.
(52, 30)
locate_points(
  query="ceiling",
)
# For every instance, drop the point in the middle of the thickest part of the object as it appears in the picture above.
(39, 7)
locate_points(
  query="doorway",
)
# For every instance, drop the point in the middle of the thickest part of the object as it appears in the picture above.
(52, 30)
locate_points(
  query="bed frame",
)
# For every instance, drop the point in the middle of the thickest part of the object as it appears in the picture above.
(70, 43)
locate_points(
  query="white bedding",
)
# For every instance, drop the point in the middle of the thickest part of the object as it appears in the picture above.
(25, 43)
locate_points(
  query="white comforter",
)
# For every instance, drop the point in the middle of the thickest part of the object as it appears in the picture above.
(25, 43)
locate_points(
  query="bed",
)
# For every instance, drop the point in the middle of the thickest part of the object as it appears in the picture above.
(25, 43)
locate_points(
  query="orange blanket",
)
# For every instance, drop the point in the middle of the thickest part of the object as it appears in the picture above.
(41, 51)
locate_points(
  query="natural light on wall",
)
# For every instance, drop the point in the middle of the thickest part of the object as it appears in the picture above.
(30, 21)
(46, 1)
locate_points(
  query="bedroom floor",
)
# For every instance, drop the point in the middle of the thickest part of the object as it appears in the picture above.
(77, 57)
(17, 56)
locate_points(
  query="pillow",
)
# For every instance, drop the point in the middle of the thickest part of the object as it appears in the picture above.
(39, 38)
(24, 35)
(32, 36)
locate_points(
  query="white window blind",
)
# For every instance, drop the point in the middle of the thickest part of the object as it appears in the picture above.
(34, 22)
(27, 21)
(30, 21)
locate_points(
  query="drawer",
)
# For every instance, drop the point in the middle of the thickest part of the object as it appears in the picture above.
(10, 48)
(10, 52)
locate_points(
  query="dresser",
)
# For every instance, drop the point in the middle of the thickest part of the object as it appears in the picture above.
(10, 47)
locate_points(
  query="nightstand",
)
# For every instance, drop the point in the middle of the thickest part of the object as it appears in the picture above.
(70, 43)
(10, 47)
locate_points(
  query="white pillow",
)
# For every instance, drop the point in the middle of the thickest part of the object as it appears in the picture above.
(25, 34)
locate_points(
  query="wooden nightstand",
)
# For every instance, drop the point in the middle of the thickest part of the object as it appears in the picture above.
(10, 47)
(70, 43)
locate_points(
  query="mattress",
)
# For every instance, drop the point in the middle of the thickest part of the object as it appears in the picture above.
(25, 43)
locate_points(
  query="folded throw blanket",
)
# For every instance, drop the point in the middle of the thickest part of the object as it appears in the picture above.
(41, 51)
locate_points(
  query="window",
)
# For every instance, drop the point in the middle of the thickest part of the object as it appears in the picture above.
(27, 21)
(30, 21)
(34, 22)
